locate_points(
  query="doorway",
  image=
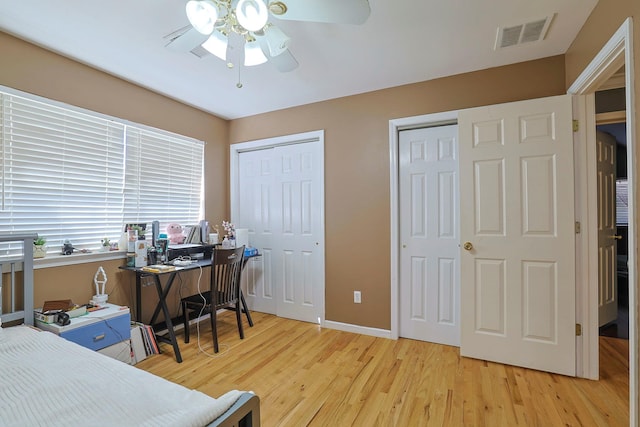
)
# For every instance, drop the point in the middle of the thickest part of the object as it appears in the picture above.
(610, 125)
(616, 54)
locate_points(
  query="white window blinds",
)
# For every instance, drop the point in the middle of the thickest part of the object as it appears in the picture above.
(163, 178)
(622, 202)
(69, 174)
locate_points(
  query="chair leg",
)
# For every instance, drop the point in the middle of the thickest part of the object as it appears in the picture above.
(185, 317)
(214, 328)
(246, 309)
(239, 319)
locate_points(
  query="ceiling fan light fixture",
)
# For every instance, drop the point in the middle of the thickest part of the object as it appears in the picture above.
(202, 15)
(252, 14)
(277, 8)
(276, 39)
(217, 44)
(253, 54)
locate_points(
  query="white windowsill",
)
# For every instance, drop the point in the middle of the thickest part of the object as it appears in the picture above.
(59, 260)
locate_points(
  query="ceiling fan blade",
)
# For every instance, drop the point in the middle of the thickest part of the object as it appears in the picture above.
(330, 11)
(284, 62)
(187, 41)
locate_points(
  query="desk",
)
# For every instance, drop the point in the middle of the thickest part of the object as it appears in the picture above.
(162, 297)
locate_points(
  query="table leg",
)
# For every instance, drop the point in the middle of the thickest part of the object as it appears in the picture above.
(138, 298)
(162, 296)
(167, 315)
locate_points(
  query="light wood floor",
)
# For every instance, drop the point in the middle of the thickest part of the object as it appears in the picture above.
(308, 376)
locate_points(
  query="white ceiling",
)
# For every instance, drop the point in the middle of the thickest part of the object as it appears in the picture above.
(403, 41)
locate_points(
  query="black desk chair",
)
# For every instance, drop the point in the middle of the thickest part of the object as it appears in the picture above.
(226, 271)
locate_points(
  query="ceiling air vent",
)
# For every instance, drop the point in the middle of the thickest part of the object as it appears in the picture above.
(523, 33)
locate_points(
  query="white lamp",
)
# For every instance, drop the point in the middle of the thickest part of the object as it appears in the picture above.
(202, 15)
(253, 55)
(101, 296)
(217, 45)
(252, 14)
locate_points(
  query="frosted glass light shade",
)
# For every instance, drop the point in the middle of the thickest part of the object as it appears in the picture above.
(253, 55)
(252, 14)
(202, 15)
(276, 39)
(217, 45)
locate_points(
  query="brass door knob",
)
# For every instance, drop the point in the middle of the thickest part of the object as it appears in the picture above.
(467, 246)
(615, 236)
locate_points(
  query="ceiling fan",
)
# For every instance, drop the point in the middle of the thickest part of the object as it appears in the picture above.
(240, 31)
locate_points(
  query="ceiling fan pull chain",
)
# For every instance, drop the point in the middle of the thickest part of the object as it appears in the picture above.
(239, 84)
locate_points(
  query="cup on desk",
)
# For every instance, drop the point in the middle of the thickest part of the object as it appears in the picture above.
(213, 238)
(163, 244)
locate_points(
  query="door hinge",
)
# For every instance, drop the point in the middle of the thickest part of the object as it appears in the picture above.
(576, 126)
(578, 329)
(577, 227)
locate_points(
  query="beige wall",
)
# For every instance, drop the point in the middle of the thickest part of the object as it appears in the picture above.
(356, 159)
(357, 169)
(34, 70)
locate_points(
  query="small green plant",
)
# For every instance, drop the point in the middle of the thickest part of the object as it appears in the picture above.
(39, 241)
(105, 242)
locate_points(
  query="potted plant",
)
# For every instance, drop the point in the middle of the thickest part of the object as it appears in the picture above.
(106, 244)
(39, 247)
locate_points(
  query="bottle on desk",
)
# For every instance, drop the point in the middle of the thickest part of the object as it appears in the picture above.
(152, 255)
(162, 245)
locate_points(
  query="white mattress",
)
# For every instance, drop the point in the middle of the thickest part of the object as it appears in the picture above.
(48, 381)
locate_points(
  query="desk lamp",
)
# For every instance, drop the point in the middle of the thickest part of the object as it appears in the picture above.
(100, 297)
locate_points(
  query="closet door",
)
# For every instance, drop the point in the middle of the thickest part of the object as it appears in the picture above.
(281, 201)
(429, 235)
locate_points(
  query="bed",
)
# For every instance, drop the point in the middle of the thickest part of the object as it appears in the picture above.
(49, 381)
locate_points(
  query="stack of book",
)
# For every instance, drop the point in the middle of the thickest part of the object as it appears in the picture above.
(143, 341)
(192, 234)
(49, 311)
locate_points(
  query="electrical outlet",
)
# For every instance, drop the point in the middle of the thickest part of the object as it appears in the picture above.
(357, 297)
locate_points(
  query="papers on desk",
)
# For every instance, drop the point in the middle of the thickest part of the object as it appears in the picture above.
(158, 268)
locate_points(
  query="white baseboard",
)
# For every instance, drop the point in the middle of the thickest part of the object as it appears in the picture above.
(364, 330)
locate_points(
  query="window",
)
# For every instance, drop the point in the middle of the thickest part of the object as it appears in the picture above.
(622, 202)
(77, 175)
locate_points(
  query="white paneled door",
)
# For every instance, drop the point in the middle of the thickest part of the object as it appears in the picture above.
(280, 199)
(429, 257)
(607, 243)
(517, 231)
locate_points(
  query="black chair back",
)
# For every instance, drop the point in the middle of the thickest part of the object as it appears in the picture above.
(226, 272)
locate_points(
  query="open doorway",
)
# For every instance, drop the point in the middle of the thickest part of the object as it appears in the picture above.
(614, 295)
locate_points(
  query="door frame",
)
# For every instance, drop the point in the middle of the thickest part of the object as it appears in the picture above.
(617, 52)
(395, 126)
(261, 144)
